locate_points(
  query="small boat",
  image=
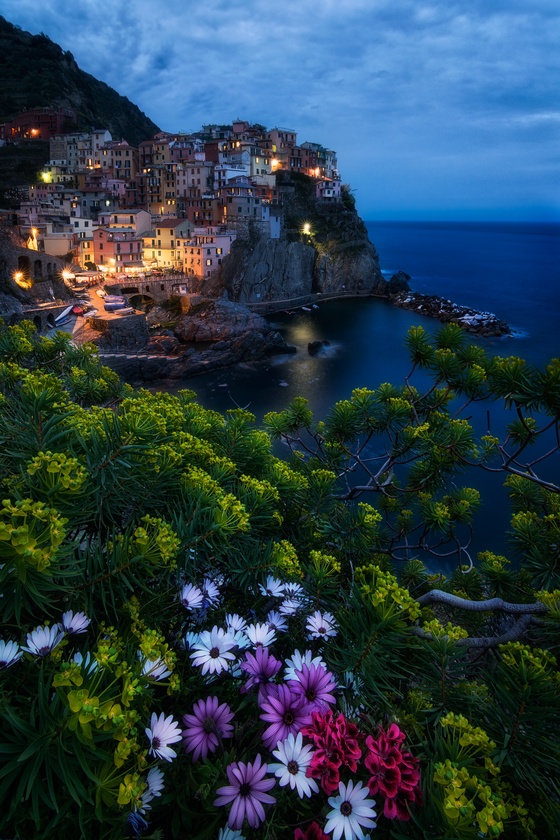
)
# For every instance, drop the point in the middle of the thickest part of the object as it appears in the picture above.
(306, 308)
(63, 321)
(114, 305)
(78, 310)
(101, 293)
(315, 306)
(64, 314)
(126, 310)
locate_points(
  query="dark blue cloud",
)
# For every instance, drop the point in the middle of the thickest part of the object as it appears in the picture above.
(434, 104)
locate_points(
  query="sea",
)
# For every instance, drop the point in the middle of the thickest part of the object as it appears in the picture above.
(509, 269)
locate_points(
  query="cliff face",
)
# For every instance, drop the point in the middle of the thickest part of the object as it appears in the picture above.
(324, 249)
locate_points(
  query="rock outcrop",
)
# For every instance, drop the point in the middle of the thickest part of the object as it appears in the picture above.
(324, 249)
(480, 323)
(220, 333)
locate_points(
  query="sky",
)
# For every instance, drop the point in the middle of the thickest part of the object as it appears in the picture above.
(437, 109)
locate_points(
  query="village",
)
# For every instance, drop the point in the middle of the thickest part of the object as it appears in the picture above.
(171, 206)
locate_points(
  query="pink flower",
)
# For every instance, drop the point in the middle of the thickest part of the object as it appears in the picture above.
(394, 774)
(246, 792)
(336, 742)
(208, 724)
(285, 711)
(312, 832)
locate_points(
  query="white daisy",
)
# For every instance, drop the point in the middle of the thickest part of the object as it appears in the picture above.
(260, 634)
(228, 833)
(294, 760)
(321, 625)
(191, 597)
(87, 663)
(9, 653)
(162, 732)
(75, 622)
(351, 810)
(290, 606)
(210, 592)
(276, 621)
(213, 651)
(190, 639)
(293, 590)
(241, 639)
(295, 662)
(273, 588)
(235, 624)
(43, 640)
(154, 781)
(155, 669)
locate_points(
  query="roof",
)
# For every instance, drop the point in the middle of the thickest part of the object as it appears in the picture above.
(171, 223)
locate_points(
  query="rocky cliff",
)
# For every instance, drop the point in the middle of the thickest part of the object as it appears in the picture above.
(324, 249)
(218, 334)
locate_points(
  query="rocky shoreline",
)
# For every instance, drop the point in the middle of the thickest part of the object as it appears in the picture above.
(485, 324)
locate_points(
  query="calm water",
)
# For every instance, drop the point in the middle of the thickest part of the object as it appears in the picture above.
(512, 270)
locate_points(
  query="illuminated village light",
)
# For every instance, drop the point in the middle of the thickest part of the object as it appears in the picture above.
(20, 279)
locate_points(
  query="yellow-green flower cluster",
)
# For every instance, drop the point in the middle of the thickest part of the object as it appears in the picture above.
(324, 565)
(156, 541)
(228, 512)
(495, 563)
(452, 631)
(469, 736)
(57, 471)
(109, 647)
(283, 557)
(462, 796)
(516, 653)
(383, 590)
(369, 516)
(131, 789)
(30, 533)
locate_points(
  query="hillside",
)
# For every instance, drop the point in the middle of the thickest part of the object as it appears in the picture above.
(36, 72)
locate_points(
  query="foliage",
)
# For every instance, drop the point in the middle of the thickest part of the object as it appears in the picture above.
(134, 526)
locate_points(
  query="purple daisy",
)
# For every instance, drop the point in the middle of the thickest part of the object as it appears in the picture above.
(314, 683)
(261, 667)
(209, 723)
(246, 792)
(285, 711)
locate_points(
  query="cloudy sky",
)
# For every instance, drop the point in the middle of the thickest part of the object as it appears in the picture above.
(436, 108)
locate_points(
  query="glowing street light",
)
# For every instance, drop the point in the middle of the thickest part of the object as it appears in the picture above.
(306, 229)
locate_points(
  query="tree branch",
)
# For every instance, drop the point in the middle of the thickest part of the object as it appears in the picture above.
(515, 632)
(438, 596)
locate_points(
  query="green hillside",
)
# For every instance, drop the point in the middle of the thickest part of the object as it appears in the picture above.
(36, 72)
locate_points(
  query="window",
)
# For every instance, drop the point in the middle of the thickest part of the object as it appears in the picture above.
(218, 250)
(208, 262)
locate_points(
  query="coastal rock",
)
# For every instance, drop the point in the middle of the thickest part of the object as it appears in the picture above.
(399, 283)
(313, 347)
(219, 334)
(471, 320)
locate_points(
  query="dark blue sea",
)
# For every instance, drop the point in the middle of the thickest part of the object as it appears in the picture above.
(510, 269)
